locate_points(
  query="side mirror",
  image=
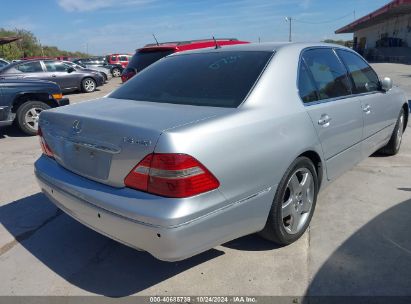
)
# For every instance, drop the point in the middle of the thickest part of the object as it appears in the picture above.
(70, 70)
(386, 84)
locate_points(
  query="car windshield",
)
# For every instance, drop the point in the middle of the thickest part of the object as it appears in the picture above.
(142, 59)
(218, 79)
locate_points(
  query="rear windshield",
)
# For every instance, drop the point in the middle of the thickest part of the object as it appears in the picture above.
(218, 79)
(141, 60)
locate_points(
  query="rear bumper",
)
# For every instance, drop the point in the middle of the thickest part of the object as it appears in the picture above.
(85, 201)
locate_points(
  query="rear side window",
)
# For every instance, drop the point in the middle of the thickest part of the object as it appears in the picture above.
(217, 79)
(141, 60)
(364, 78)
(306, 87)
(329, 75)
(30, 67)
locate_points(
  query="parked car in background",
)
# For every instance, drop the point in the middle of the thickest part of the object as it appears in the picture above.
(115, 69)
(121, 59)
(3, 62)
(22, 101)
(105, 72)
(68, 78)
(207, 146)
(153, 52)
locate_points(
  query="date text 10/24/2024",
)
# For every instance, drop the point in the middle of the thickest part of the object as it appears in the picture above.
(203, 299)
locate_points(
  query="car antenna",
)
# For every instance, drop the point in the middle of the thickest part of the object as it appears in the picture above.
(155, 39)
(216, 44)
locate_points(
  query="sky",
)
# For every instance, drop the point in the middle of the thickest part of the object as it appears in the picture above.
(111, 26)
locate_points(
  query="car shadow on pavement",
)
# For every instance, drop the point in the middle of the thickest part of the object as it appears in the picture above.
(252, 242)
(374, 261)
(80, 92)
(82, 256)
(11, 131)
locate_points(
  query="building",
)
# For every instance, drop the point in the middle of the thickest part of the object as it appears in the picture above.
(385, 34)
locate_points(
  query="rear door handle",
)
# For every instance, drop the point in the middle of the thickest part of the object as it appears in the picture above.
(367, 109)
(324, 120)
(53, 75)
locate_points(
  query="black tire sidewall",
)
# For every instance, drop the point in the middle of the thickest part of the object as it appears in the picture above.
(282, 236)
(21, 113)
(391, 148)
(397, 125)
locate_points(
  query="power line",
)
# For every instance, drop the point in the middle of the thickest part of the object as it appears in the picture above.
(323, 22)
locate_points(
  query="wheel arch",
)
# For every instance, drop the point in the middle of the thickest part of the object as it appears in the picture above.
(318, 164)
(25, 97)
(88, 76)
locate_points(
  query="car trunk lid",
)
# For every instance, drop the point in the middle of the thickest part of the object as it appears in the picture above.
(104, 139)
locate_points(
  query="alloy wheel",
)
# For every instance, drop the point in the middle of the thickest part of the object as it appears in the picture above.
(31, 118)
(298, 200)
(89, 85)
(116, 72)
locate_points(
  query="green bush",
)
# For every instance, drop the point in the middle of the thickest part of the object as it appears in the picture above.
(30, 46)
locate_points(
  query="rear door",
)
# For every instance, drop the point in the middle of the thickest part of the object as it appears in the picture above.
(337, 116)
(31, 69)
(379, 114)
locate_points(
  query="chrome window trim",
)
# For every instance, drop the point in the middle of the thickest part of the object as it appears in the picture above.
(333, 48)
(307, 104)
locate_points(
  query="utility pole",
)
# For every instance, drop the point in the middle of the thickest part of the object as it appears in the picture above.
(289, 20)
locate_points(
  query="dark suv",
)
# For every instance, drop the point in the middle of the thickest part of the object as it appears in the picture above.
(22, 101)
(153, 52)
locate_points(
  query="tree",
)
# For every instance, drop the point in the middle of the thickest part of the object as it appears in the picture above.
(30, 46)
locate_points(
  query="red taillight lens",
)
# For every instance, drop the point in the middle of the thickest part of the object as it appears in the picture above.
(171, 175)
(126, 76)
(44, 146)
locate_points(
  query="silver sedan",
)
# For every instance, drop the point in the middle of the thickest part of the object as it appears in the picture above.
(207, 146)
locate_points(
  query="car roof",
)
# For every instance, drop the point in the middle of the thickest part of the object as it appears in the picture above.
(185, 42)
(189, 44)
(264, 47)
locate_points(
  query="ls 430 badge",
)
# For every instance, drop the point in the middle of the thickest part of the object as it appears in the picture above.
(136, 141)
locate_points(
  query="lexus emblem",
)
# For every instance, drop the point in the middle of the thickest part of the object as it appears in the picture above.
(76, 126)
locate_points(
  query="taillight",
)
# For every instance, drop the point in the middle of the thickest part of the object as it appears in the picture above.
(127, 75)
(44, 146)
(171, 175)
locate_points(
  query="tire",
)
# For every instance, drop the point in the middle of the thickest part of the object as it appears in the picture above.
(116, 72)
(27, 116)
(88, 85)
(394, 145)
(294, 203)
